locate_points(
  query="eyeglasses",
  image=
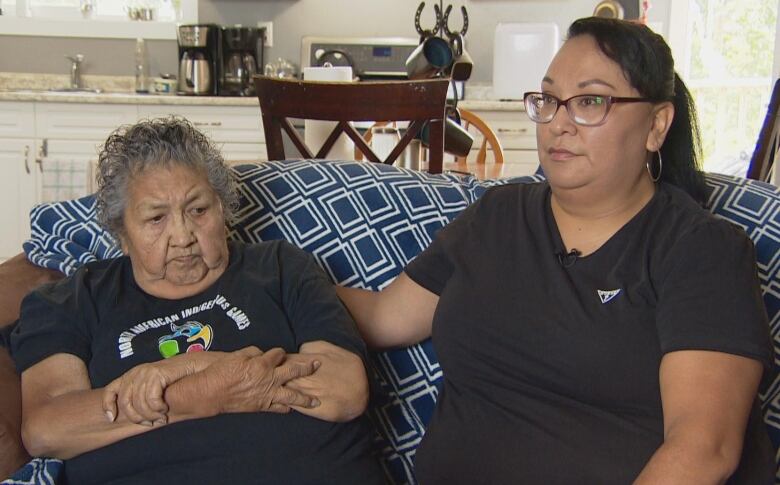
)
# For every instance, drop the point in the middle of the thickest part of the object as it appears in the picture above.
(584, 109)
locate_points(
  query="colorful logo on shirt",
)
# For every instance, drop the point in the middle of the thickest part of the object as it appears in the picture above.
(190, 337)
(607, 295)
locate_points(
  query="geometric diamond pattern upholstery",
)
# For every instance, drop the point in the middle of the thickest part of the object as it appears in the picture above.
(364, 222)
(66, 235)
(755, 206)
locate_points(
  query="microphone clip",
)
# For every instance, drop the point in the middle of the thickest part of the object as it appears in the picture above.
(567, 260)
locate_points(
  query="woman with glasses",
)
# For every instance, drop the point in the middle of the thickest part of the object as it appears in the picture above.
(600, 327)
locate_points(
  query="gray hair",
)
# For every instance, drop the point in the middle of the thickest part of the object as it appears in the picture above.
(161, 142)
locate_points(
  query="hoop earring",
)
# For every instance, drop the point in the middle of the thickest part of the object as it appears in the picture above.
(655, 178)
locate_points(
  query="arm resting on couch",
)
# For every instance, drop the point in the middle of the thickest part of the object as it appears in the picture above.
(17, 277)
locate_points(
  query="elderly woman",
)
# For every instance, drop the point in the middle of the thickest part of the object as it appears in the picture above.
(600, 327)
(190, 359)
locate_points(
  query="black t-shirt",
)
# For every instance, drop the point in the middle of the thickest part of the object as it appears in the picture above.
(551, 369)
(270, 295)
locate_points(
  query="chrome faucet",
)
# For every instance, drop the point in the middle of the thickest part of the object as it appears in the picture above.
(75, 70)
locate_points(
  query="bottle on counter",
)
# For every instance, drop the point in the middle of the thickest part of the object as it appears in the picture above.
(141, 68)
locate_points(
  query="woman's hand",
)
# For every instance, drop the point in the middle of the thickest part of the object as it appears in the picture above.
(340, 384)
(252, 381)
(139, 392)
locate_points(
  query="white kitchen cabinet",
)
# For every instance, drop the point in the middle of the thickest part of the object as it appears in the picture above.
(17, 120)
(81, 121)
(18, 176)
(237, 130)
(18, 193)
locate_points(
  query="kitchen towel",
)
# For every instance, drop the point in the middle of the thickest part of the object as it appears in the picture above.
(65, 179)
(316, 132)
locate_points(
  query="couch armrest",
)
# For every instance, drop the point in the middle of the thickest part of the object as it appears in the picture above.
(12, 452)
(17, 277)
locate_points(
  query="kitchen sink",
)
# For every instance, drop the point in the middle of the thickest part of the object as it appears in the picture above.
(75, 90)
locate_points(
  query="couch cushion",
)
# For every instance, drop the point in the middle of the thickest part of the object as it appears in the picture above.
(66, 235)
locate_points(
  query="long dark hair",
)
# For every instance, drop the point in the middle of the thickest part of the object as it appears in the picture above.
(646, 61)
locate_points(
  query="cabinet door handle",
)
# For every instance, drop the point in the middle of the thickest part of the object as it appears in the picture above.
(43, 151)
(26, 158)
(207, 123)
(513, 130)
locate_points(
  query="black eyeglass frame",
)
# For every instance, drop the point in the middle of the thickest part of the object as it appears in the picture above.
(565, 102)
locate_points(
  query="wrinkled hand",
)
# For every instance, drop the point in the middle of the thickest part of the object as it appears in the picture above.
(252, 381)
(138, 394)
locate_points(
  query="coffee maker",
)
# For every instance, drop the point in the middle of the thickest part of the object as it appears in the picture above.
(242, 54)
(200, 61)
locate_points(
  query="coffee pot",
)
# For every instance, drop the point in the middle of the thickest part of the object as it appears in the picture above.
(194, 73)
(241, 53)
(199, 59)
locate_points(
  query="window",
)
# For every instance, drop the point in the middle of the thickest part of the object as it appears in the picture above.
(153, 19)
(724, 53)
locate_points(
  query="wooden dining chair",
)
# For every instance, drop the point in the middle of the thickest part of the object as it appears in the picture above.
(476, 125)
(763, 158)
(414, 101)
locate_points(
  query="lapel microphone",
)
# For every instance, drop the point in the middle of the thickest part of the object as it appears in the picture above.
(567, 260)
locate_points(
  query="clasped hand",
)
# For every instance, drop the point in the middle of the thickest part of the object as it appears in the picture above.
(247, 380)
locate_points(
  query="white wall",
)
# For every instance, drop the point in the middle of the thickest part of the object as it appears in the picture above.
(295, 18)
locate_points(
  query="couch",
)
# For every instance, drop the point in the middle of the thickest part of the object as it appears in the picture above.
(363, 222)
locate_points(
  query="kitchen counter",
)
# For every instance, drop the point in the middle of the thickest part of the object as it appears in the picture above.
(118, 90)
(151, 99)
(121, 98)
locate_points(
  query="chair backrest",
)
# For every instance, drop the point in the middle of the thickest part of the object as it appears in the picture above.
(414, 101)
(768, 141)
(474, 123)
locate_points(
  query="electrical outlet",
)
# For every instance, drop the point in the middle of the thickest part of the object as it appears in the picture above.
(269, 32)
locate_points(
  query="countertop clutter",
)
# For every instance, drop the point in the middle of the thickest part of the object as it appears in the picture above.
(120, 90)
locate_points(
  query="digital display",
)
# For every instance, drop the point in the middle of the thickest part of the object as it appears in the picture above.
(384, 51)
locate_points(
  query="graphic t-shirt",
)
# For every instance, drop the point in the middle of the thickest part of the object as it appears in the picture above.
(270, 295)
(551, 362)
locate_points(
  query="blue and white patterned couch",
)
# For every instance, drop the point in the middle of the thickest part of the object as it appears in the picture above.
(363, 222)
